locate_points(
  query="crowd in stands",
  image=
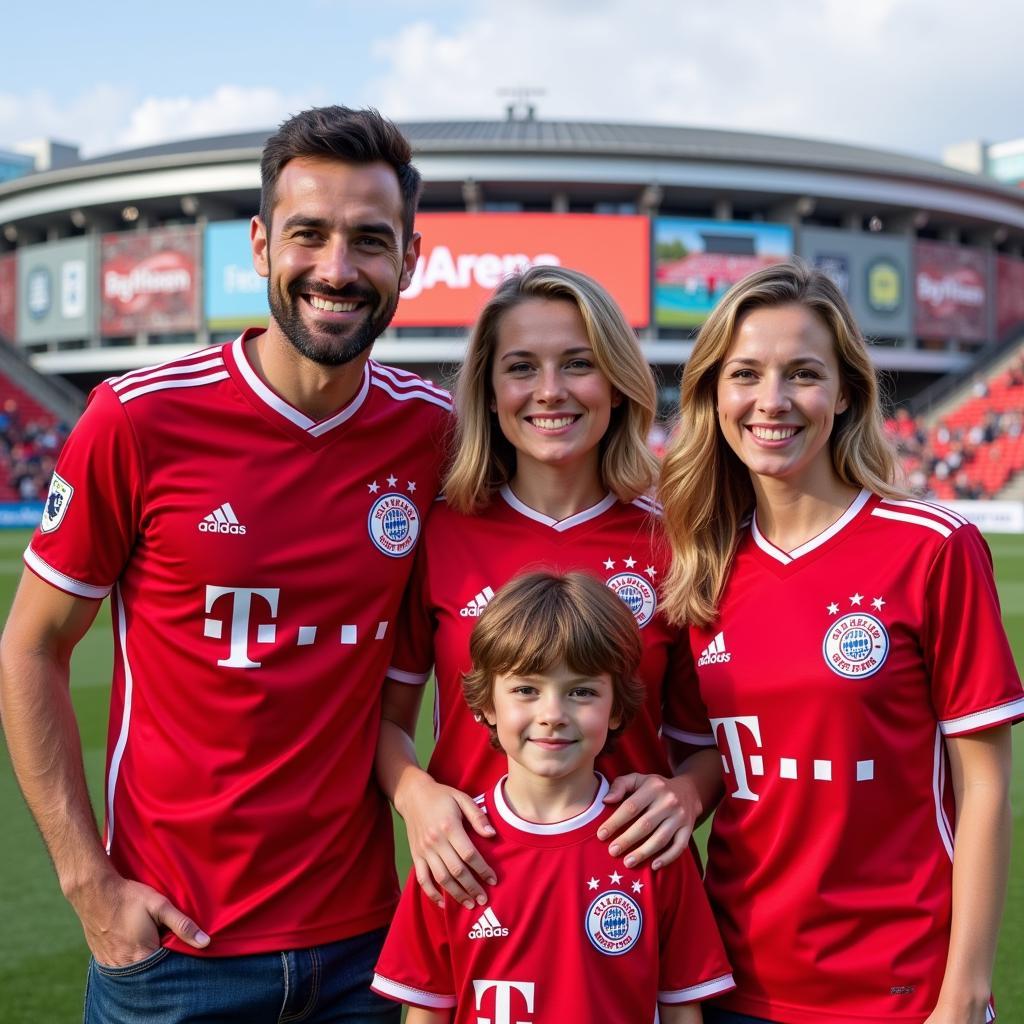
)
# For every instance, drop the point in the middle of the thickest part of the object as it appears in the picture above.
(971, 453)
(974, 450)
(30, 440)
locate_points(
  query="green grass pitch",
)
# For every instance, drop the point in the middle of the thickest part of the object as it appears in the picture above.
(43, 955)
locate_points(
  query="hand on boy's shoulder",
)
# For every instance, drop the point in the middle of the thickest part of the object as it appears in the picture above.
(655, 818)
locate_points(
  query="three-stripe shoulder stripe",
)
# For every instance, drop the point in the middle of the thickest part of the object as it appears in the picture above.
(205, 367)
(648, 504)
(920, 513)
(198, 356)
(404, 386)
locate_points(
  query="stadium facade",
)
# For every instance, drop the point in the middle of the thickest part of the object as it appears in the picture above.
(136, 257)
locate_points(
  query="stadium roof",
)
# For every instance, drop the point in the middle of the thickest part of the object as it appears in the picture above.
(584, 138)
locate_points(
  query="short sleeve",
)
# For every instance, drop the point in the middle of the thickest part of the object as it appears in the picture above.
(974, 681)
(413, 656)
(693, 964)
(686, 717)
(93, 508)
(415, 965)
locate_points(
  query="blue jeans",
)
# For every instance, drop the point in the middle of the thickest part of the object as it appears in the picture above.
(321, 985)
(712, 1015)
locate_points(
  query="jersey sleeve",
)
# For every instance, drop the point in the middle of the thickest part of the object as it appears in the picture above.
(686, 717)
(413, 656)
(415, 964)
(693, 965)
(974, 681)
(93, 508)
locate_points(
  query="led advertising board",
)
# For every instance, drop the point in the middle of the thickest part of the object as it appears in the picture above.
(465, 256)
(697, 261)
(57, 290)
(149, 281)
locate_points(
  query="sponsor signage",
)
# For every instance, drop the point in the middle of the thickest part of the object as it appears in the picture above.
(951, 291)
(19, 515)
(872, 271)
(1009, 297)
(465, 256)
(992, 516)
(8, 296)
(56, 290)
(149, 281)
(235, 296)
(698, 261)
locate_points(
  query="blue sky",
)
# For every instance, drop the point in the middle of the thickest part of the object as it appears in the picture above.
(911, 75)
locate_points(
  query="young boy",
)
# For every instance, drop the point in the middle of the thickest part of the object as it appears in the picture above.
(568, 933)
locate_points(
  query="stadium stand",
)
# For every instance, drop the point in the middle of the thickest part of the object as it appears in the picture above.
(974, 448)
(31, 437)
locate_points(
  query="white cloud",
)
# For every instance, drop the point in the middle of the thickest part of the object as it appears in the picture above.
(105, 118)
(902, 74)
(228, 108)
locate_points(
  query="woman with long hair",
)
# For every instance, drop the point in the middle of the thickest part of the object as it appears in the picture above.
(853, 671)
(551, 469)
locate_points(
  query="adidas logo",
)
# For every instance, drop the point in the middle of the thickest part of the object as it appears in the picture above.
(477, 604)
(487, 926)
(715, 652)
(221, 520)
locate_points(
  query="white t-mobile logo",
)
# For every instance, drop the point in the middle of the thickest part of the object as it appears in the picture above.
(266, 632)
(730, 727)
(503, 999)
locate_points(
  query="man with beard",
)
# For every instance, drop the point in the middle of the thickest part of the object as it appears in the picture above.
(251, 509)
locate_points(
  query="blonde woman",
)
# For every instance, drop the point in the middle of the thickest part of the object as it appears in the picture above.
(551, 469)
(853, 671)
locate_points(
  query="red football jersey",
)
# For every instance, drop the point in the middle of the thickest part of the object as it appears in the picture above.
(569, 933)
(256, 560)
(461, 564)
(829, 680)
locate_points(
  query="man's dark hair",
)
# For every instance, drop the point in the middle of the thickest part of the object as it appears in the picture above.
(357, 136)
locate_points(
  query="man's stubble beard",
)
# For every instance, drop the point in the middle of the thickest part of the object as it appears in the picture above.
(350, 341)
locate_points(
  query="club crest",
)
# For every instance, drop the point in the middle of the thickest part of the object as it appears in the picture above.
(57, 501)
(856, 645)
(613, 923)
(638, 593)
(394, 524)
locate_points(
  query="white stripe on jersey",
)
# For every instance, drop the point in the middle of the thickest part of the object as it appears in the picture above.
(122, 737)
(938, 788)
(983, 719)
(168, 371)
(409, 678)
(182, 361)
(404, 396)
(694, 739)
(406, 379)
(648, 504)
(167, 385)
(906, 517)
(701, 991)
(408, 994)
(61, 581)
(951, 517)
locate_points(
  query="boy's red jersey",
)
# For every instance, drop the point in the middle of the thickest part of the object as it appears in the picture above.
(569, 932)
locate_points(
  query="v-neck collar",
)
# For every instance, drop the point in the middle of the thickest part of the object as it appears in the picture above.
(276, 408)
(559, 525)
(788, 557)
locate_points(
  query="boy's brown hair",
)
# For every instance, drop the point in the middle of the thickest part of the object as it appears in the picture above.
(541, 618)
